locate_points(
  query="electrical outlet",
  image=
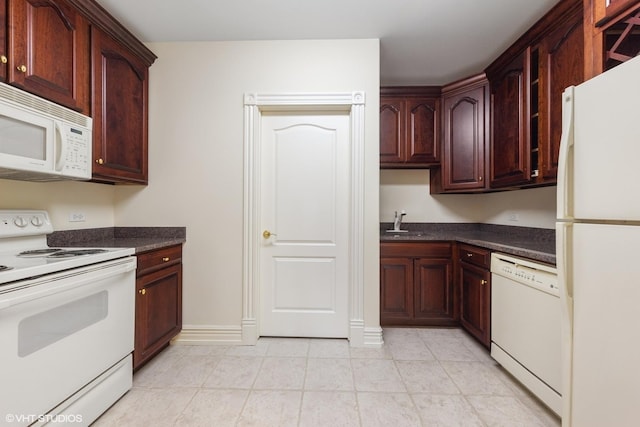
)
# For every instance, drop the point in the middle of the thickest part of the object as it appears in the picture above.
(77, 217)
(514, 217)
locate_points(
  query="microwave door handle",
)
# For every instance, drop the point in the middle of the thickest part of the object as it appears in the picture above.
(61, 148)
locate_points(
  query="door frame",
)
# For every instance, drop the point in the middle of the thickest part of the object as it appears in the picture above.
(254, 105)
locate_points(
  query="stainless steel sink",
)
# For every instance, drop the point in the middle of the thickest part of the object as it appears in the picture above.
(405, 233)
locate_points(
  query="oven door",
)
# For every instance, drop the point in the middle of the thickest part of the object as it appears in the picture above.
(61, 331)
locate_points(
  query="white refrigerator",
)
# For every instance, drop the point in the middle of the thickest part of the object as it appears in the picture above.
(597, 236)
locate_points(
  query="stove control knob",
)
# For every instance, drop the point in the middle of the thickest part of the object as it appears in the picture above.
(37, 221)
(20, 222)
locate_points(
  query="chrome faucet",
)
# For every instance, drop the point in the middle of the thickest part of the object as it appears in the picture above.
(397, 221)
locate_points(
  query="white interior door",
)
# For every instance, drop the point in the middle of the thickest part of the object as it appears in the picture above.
(304, 204)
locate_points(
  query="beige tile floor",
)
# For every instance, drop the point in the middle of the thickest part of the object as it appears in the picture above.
(421, 377)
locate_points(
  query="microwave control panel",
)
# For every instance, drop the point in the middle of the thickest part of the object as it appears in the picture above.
(77, 152)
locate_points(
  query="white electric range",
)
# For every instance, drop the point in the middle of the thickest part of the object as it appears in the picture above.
(67, 322)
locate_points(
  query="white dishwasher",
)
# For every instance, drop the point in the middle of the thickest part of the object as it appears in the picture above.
(525, 325)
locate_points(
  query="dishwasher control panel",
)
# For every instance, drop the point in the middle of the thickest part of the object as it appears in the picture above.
(540, 276)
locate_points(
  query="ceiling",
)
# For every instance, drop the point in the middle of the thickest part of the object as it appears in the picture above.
(422, 42)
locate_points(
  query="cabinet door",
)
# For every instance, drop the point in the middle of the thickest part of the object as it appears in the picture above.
(463, 161)
(561, 66)
(396, 291)
(120, 98)
(158, 311)
(3, 40)
(509, 121)
(434, 291)
(422, 117)
(49, 51)
(391, 130)
(475, 298)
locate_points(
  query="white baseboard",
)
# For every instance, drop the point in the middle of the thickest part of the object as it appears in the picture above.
(209, 334)
(249, 331)
(246, 335)
(360, 336)
(373, 337)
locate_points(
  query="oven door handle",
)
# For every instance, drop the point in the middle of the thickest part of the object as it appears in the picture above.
(64, 281)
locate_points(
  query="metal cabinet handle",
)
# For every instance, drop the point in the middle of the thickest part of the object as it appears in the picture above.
(165, 259)
(142, 291)
(266, 234)
(483, 282)
(100, 161)
(3, 59)
(469, 255)
(22, 68)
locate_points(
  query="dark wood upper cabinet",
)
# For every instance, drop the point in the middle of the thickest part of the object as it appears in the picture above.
(527, 82)
(561, 66)
(465, 135)
(509, 112)
(409, 127)
(48, 51)
(74, 53)
(422, 130)
(392, 146)
(120, 99)
(611, 34)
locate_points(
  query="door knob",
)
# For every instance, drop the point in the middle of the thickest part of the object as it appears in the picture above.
(266, 234)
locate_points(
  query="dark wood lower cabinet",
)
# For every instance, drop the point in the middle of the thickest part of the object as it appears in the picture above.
(434, 291)
(418, 287)
(396, 290)
(474, 277)
(158, 302)
(416, 284)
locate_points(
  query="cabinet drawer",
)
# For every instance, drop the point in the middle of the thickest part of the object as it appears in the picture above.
(157, 259)
(475, 255)
(416, 249)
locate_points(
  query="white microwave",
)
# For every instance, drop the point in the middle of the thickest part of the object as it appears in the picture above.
(41, 140)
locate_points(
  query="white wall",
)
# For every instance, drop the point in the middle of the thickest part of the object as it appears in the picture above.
(409, 190)
(196, 154)
(196, 158)
(61, 199)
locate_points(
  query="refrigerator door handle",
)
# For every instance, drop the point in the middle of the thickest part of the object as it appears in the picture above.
(565, 159)
(564, 232)
(564, 249)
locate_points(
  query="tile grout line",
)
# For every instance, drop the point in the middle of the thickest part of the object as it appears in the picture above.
(292, 351)
(461, 393)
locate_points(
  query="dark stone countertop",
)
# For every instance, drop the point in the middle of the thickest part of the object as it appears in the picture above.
(143, 239)
(538, 244)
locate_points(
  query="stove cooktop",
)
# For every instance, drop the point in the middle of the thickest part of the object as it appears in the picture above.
(53, 260)
(38, 252)
(59, 252)
(24, 252)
